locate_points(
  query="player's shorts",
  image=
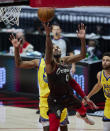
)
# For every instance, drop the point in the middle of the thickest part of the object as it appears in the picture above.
(44, 118)
(56, 105)
(107, 109)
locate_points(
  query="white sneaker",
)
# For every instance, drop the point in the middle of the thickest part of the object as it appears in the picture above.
(86, 119)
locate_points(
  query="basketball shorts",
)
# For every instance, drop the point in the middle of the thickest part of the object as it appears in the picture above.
(56, 105)
(44, 118)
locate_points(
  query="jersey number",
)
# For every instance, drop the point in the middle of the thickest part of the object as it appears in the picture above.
(67, 77)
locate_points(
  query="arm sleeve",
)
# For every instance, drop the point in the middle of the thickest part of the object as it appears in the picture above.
(77, 88)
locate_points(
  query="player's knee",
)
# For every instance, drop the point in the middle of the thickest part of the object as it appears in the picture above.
(64, 128)
(46, 128)
(54, 122)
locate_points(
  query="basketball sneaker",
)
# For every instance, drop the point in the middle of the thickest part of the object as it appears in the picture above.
(86, 119)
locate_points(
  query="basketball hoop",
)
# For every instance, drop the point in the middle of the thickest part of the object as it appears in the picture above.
(10, 15)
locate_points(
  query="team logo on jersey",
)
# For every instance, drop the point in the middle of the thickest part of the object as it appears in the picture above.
(61, 71)
(45, 76)
(107, 90)
(103, 79)
(65, 72)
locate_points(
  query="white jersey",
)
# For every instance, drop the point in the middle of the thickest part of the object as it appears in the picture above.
(62, 44)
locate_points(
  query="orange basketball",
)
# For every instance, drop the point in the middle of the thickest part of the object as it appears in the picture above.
(45, 14)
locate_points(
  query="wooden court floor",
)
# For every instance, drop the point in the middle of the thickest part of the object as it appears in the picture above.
(25, 119)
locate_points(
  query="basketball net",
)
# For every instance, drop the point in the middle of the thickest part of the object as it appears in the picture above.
(10, 15)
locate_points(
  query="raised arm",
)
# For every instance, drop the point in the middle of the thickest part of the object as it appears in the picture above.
(18, 60)
(49, 50)
(49, 45)
(81, 35)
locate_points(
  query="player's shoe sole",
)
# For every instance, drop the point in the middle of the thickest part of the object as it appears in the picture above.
(86, 119)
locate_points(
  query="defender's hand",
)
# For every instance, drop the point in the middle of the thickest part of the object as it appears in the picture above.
(90, 103)
(47, 28)
(15, 42)
(81, 31)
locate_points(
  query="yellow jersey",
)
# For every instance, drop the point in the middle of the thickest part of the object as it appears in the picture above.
(43, 83)
(106, 89)
(44, 92)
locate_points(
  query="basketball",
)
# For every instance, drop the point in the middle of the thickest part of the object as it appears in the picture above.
(45, 14)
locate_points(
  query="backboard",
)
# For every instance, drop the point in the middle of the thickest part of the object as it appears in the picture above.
(13, 2)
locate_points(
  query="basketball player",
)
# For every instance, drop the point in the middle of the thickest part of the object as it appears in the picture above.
(103, 78)
(60, 82)
(44, 90)
(43, 85)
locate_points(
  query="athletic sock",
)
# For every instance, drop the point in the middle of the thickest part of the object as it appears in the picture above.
(54, 122)
(82, 111)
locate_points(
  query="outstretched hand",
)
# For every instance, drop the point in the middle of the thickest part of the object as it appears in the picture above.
(47, 28)
(90, 103)
(81, 31)
(15, 42)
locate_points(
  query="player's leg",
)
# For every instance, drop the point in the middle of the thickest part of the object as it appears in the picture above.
(44, 119)
(81, 113)
(64, 128)
(54, 114)
(46, 128)
(45, 123)
(54, 122)
(64, 120)
(49, 122)
(81, 110)
(75, 104)
(58, 118)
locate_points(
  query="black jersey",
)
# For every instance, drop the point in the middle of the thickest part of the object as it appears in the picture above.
(58, 81)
